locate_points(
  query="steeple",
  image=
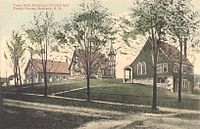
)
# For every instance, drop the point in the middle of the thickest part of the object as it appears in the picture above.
(112, 61)
(112, 51)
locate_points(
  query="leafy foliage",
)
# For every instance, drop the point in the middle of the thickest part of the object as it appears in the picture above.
(90, 31)
(16, 51)
(183, 21)
(41, 35)
(16, 47)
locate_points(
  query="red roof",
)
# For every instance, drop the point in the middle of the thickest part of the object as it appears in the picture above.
(173, 53)
(52, 66)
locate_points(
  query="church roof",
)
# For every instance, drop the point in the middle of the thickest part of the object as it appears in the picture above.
(173, 53)
(98, 60)
(52, 66)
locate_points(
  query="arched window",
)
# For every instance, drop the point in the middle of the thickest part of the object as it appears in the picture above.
(139, 68)
(144, 68)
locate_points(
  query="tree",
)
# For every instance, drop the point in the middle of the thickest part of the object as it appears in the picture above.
(89, 31)
(31, 51)
(183, 24)
(149, 19)
(16, 48)
(42, 40)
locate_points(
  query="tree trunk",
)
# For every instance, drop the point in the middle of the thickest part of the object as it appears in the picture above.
(185, 47)
(1, 98)
(180, 71)
(31, 70)
(88, 87)
(88, 78)
(154, 100)
(20, 77)
(15, 75)
(45, 83)
(155, 49)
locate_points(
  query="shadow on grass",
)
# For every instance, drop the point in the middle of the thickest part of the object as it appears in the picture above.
(85, 104)
(19, 118)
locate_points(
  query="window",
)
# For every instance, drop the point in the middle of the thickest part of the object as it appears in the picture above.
(162, 67)
(184, 69)
(185, 83)
(190, 69)
(143, 68)
(165, 67)
(159, 68)
(176, 67)
(139, 68)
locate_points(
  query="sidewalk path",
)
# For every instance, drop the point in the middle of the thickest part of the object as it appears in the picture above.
(68, 91)
(124, 120)
(113, 103)
(64, 109)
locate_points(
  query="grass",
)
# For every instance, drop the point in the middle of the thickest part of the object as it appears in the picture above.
(196, 92)
(19, 118)
(54, 88)
(136, 94)
(40, 89)
(85, 104)
(114, 90)
(111, 90)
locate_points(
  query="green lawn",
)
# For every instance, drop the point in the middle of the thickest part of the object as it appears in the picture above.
(54, 88)
(114, 90)
(137, 94)
(19, 118)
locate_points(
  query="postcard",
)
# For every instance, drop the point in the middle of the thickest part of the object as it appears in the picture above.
(99, 64)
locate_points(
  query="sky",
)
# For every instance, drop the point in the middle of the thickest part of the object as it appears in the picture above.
(12, 18)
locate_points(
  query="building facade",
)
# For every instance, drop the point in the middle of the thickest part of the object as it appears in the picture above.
(102, 66)
(57, 71)
(141, 69)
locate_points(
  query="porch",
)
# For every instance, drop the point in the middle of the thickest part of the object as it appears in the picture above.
(128, 74)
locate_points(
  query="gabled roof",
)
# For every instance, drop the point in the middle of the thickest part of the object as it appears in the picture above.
(170, 51)
(52, 66)
(173, 54)
(98, 60)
